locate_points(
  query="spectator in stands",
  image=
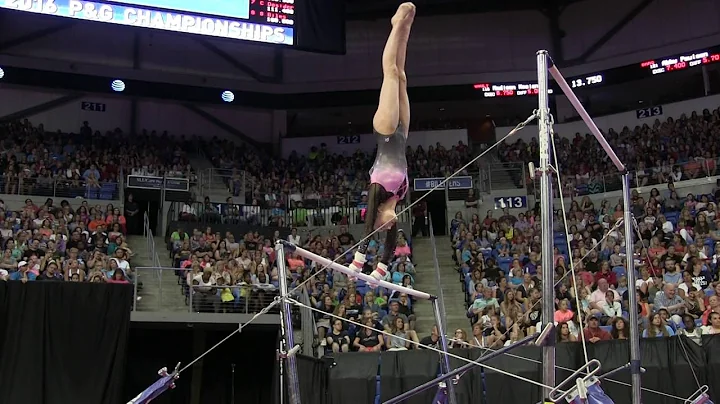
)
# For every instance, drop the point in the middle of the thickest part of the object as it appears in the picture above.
(368, 339)
(657, 328)
(205, 296)
(669, 300)
(593, 333)
(713, 325)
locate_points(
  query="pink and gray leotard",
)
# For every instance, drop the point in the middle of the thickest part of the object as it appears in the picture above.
(390, 168)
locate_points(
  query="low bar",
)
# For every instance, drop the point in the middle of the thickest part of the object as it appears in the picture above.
(290, 247)
(460, 370)
(585, 116)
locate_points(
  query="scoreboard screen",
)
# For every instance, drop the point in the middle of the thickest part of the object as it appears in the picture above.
(613, 76)
(250, 20)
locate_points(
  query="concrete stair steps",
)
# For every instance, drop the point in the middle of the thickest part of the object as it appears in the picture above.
(426, 281)
(160, 289)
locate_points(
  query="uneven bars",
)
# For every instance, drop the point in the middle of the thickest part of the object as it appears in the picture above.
(349, 272)
(585, 116)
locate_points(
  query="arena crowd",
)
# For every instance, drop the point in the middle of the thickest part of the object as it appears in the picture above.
(672, 150)
(84, 164)
(676, 249)
(676, 254)
(322, 176)
(227, 275)
(65, 243)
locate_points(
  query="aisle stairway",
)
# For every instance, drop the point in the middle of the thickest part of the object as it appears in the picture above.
(160, 291)
(213, 186)
(426, 280)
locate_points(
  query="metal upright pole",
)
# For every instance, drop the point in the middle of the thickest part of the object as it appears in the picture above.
(290, 368)
(546, 217)
(444, 360)
(632, 296)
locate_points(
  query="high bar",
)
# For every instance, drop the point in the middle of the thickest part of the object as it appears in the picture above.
(585, 116)
(349, 272)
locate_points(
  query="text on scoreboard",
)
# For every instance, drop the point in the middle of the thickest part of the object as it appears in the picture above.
(248, 20)
(426, 184)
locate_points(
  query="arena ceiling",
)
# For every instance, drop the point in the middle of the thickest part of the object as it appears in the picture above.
(370, 9)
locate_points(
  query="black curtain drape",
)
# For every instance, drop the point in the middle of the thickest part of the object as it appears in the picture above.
(672, 366)
(313, 376)
(63, 342)
(612, 355)
(500, 388)
(353, 379)
(151, 349)
(469, 389)
(711, 346)
(401, 371)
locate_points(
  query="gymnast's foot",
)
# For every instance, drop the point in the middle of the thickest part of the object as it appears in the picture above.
(357, 263)
(404, 16)
(380, 272)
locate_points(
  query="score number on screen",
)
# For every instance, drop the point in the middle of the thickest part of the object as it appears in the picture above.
(586, 81)
(680, 62)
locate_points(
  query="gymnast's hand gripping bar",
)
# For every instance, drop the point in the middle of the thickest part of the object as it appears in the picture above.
(290, 247)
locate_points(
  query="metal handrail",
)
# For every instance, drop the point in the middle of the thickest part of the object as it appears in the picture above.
(271, 216)
(217, 289)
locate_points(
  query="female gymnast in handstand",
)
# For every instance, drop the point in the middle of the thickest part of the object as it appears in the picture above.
(388, 176)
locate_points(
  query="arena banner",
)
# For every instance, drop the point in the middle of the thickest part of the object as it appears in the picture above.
(426, 184)
(149, 182)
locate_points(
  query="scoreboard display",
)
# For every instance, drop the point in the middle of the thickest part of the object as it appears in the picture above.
(249, 20)
(618, 75)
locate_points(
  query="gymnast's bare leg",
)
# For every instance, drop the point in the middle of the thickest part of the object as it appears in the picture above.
(394, 105)
(388, 177)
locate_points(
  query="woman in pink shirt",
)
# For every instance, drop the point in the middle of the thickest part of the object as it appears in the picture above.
(118, 277)
(563, 314)
(402, 248)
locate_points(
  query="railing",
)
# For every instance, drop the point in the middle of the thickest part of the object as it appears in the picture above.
(60, 188)
(276, 217)
(161, 295)
(504, 176)
(242, 299)
(152, 256)
(237, 183)
(307, 323)
(646, 177)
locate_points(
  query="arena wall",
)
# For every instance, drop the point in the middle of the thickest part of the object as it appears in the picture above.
(151, 115)
(366, 142)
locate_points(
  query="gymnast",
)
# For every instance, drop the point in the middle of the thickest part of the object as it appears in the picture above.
(388, 176)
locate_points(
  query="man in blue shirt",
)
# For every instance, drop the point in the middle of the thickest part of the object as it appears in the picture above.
(23, 273)
(669, 300)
